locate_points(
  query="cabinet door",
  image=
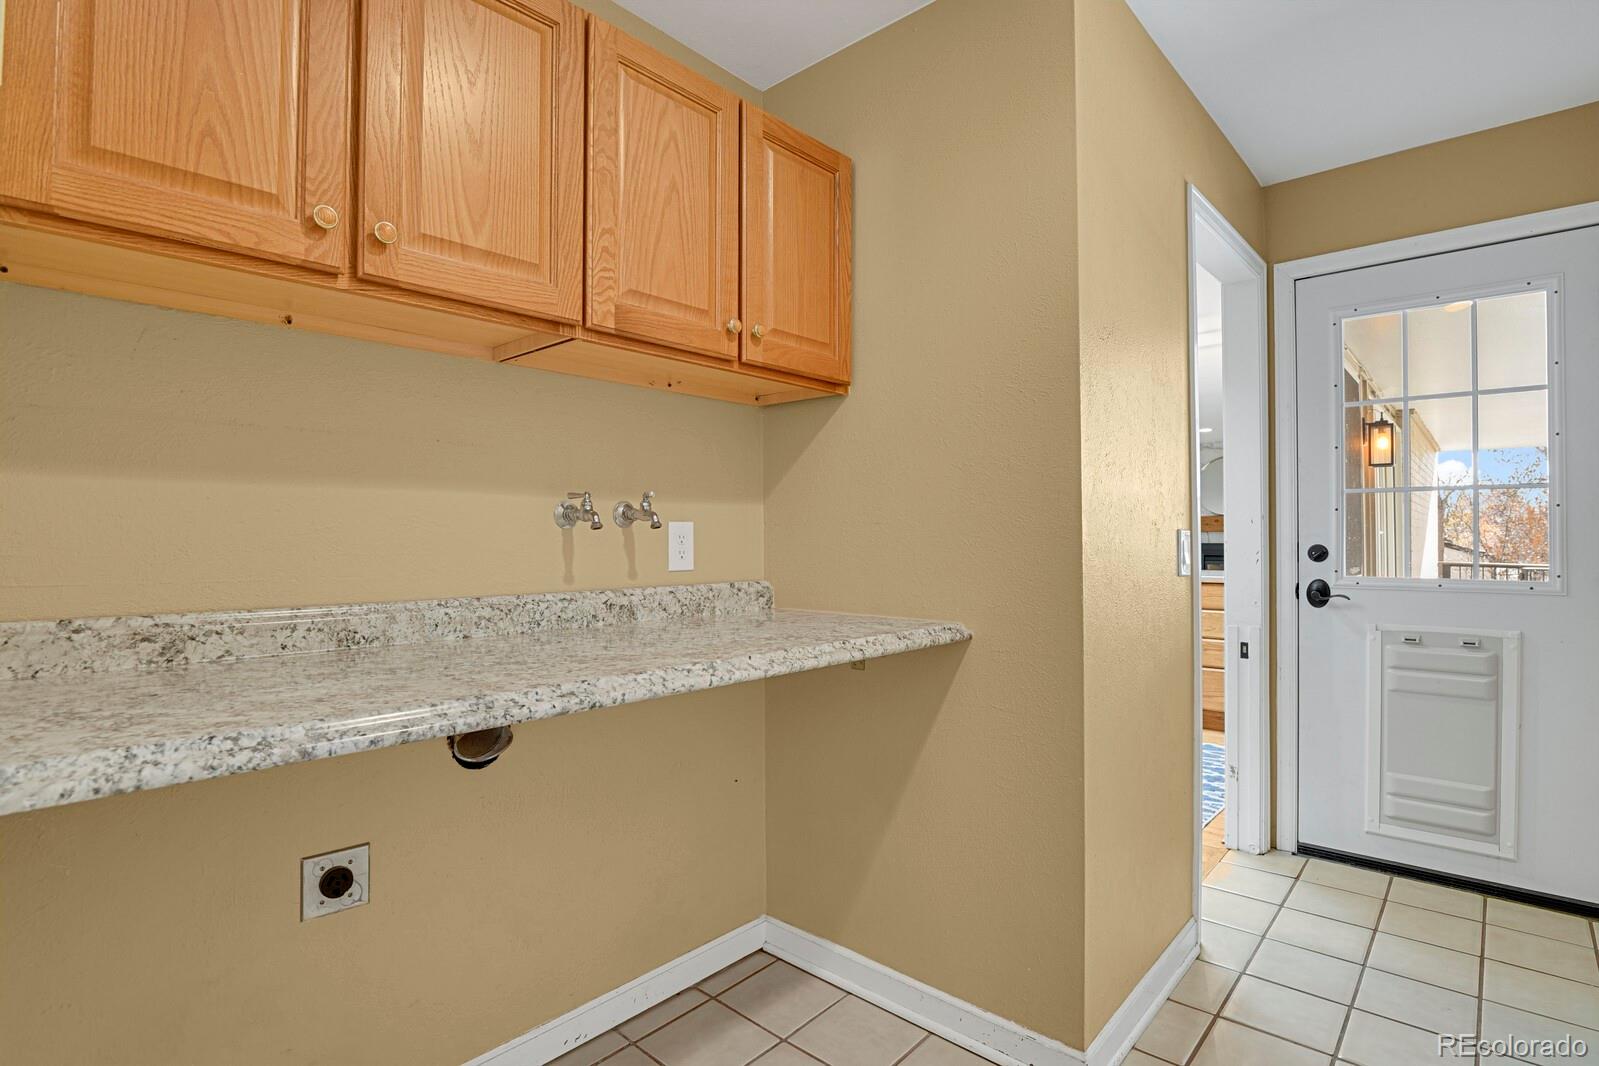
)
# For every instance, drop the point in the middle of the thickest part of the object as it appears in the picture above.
(223, 122)
(472, 170)
(796, 250)
(663, 198)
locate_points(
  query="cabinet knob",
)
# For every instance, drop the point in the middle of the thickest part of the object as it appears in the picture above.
(325, 215)
(734, 326)
(385, 232)
(757, 331)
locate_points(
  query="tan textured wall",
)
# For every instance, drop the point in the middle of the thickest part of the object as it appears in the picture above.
(927, 812)
(1141, 137)
(1542, 163)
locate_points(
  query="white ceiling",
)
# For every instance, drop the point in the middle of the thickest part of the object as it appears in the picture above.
(765, 41)
(1301, 86)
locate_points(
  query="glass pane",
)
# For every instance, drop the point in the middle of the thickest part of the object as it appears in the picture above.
(1438, 348)
(1512, 340)
(1440, 442)
(1374, 530)
(1515, 534)
(1441, 538)
(1513, 439)
(1372, 357)
(1361, 447)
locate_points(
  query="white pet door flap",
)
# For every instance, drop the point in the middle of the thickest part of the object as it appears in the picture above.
(1442, 713)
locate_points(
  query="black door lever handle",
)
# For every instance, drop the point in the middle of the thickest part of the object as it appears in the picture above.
(1319, 594)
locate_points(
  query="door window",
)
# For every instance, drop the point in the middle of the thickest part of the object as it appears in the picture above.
(1448, 449)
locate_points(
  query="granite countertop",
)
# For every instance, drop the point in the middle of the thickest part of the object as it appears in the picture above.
(106, 706)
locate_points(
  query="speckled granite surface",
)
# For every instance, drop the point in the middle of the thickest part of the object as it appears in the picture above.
(84, 731)
(41, 649)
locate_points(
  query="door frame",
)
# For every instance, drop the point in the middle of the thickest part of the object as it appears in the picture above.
(1249, 749)
(1285, 504)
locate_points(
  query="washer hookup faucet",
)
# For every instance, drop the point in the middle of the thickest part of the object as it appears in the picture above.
(626, 514)
(570, 514)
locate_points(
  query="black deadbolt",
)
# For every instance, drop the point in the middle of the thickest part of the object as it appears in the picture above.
(336, 882)
(1317, 553)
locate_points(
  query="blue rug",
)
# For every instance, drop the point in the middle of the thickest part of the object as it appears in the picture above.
(1213, 781)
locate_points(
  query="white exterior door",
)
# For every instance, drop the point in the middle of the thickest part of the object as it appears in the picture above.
(1448, 563)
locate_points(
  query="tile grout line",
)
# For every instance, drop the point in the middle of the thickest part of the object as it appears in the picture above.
(1412, 940)
(1360, 977)
(1210, 1026)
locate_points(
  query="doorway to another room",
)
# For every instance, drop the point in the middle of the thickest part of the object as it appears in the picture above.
(1227, 553)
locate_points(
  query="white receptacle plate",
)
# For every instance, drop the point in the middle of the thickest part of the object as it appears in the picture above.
(313, 903)
(679, 545)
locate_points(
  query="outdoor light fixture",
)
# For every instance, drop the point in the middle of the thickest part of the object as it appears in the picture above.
(1380, 442)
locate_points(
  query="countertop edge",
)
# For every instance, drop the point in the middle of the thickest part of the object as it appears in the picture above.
(99, 773)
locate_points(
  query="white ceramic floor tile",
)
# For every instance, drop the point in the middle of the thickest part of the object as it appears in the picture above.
(1257, 884)
(1348, 878)
(722, 980)
(1536, 920)
(710, 1035)
(632, 1056)
(1541, 993)
(1571, 961)
(1284, 1012)
(1225, 946)
(852, 1032)
(781, 998)
(1426, 962)
(1429, 1007)
(1436, 898)
(1174, 1032)
(1273, 862)
(782, 1055)
(637, 1026)
(1311, 931)
(1309, 971)
(1432, 927)
(1502, 1023)
(1233, 1045)
(936, 1051)
(1240, 912)
(1373, 1041)
(593, 1051)
(1204, 986)
(1138, 1058)
(1334, 903)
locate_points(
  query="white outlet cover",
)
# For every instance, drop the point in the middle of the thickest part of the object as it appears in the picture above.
(314, 903)
(679, 546)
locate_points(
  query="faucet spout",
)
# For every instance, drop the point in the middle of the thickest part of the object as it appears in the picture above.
(625, 514)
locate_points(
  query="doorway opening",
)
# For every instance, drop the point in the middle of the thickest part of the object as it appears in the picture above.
(1228, 556)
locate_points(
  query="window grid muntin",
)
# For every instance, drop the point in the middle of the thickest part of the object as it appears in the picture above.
(1551, 387)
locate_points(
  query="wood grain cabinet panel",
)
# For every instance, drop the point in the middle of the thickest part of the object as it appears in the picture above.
(797, 219)
(224, 122)
(472, 168)
(663, 146)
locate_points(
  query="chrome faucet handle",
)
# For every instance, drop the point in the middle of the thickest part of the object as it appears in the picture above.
(625, 514)
(568, 515)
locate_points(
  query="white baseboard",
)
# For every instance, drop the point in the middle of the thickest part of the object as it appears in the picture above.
(979, 1031)
(1116, 1039)
(581, 1024)
(957, 1021)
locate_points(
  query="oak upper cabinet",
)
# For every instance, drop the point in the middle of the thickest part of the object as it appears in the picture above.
(796, 291)
(472, 160)
(222, 122)
(663, 146)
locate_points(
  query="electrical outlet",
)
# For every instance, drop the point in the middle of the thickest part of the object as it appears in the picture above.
(335, 882)
(680, 545)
